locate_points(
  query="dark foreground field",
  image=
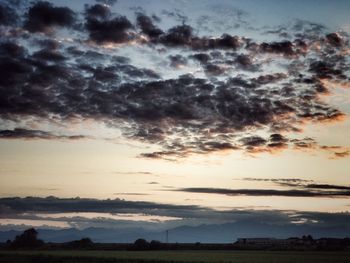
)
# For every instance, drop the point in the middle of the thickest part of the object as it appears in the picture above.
(173, 256)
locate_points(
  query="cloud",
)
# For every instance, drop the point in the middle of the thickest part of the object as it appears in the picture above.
(277, 180)
(153, 183)
(245, 62)
(253, 141)
(64, 205)
(201, 57)
(267, 192)
(237, 89)
(97, 11)
(306, 143)
(103, 28)
(123, 194)
(48, 44)
(43, 15)
(48, 55)
(177, 61)
(147, 27)
(285, 48)
(8, 16)
(178, 36)
(335, 39)
(342, 154)
(336, 151)
(107, 2)
(11, 49)
(115, 30)
(84, 213)
(297, 183)
(19, 133)
(328, 186)
(325, 70)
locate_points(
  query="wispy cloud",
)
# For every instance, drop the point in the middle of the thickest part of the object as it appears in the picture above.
(19, 133)
(269, 192)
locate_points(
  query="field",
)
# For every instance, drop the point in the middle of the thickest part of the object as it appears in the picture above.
(173, 256)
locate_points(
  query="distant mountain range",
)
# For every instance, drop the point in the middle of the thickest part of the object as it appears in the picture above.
(223, 233)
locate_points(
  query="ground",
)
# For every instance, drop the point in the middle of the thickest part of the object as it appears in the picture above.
(174, 256)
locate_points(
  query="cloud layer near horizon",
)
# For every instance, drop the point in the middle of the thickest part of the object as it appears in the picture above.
(83, 213)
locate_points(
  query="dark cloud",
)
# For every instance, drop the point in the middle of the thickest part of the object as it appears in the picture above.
(48, 44)
(184, 36)
(102, 29)
(226, 41)
(245, 219)
(335, 40)
(166, 155)
(177, 150)
(12, 66)
(217, 146)
(61, 205)
(11, 49)
(201, 57)
(222, 110)
(8, 16)
(193, 105)
(268, 192)
(177, 61)
(325, 70)
(277, 138)
(147, 27)
(214, 70)
(270, 78)
(19, 133)
(284, 48)
(245, 62)
(178, 36)
(43, 15)
(98, 11)
(135, 72)
(299, 183)
(328, 186)
(277, 141)
(253, 141)
(48, 55)
(17, 207)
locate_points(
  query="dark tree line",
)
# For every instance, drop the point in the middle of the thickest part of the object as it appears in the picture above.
(28, 239)
(142, 244)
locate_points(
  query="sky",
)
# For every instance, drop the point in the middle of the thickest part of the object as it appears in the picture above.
(167, 113)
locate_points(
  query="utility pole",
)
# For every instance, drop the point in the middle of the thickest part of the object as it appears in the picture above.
(167, 236)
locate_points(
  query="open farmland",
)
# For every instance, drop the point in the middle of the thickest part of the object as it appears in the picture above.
(173, 256)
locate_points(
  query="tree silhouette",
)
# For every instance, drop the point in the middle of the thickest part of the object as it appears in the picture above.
(82, 243)
(155, 245)
(28, 239)
(141, 244)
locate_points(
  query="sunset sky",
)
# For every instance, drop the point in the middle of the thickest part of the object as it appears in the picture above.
(167, 113)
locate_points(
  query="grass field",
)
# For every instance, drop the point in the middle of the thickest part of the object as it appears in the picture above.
(173, 256)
